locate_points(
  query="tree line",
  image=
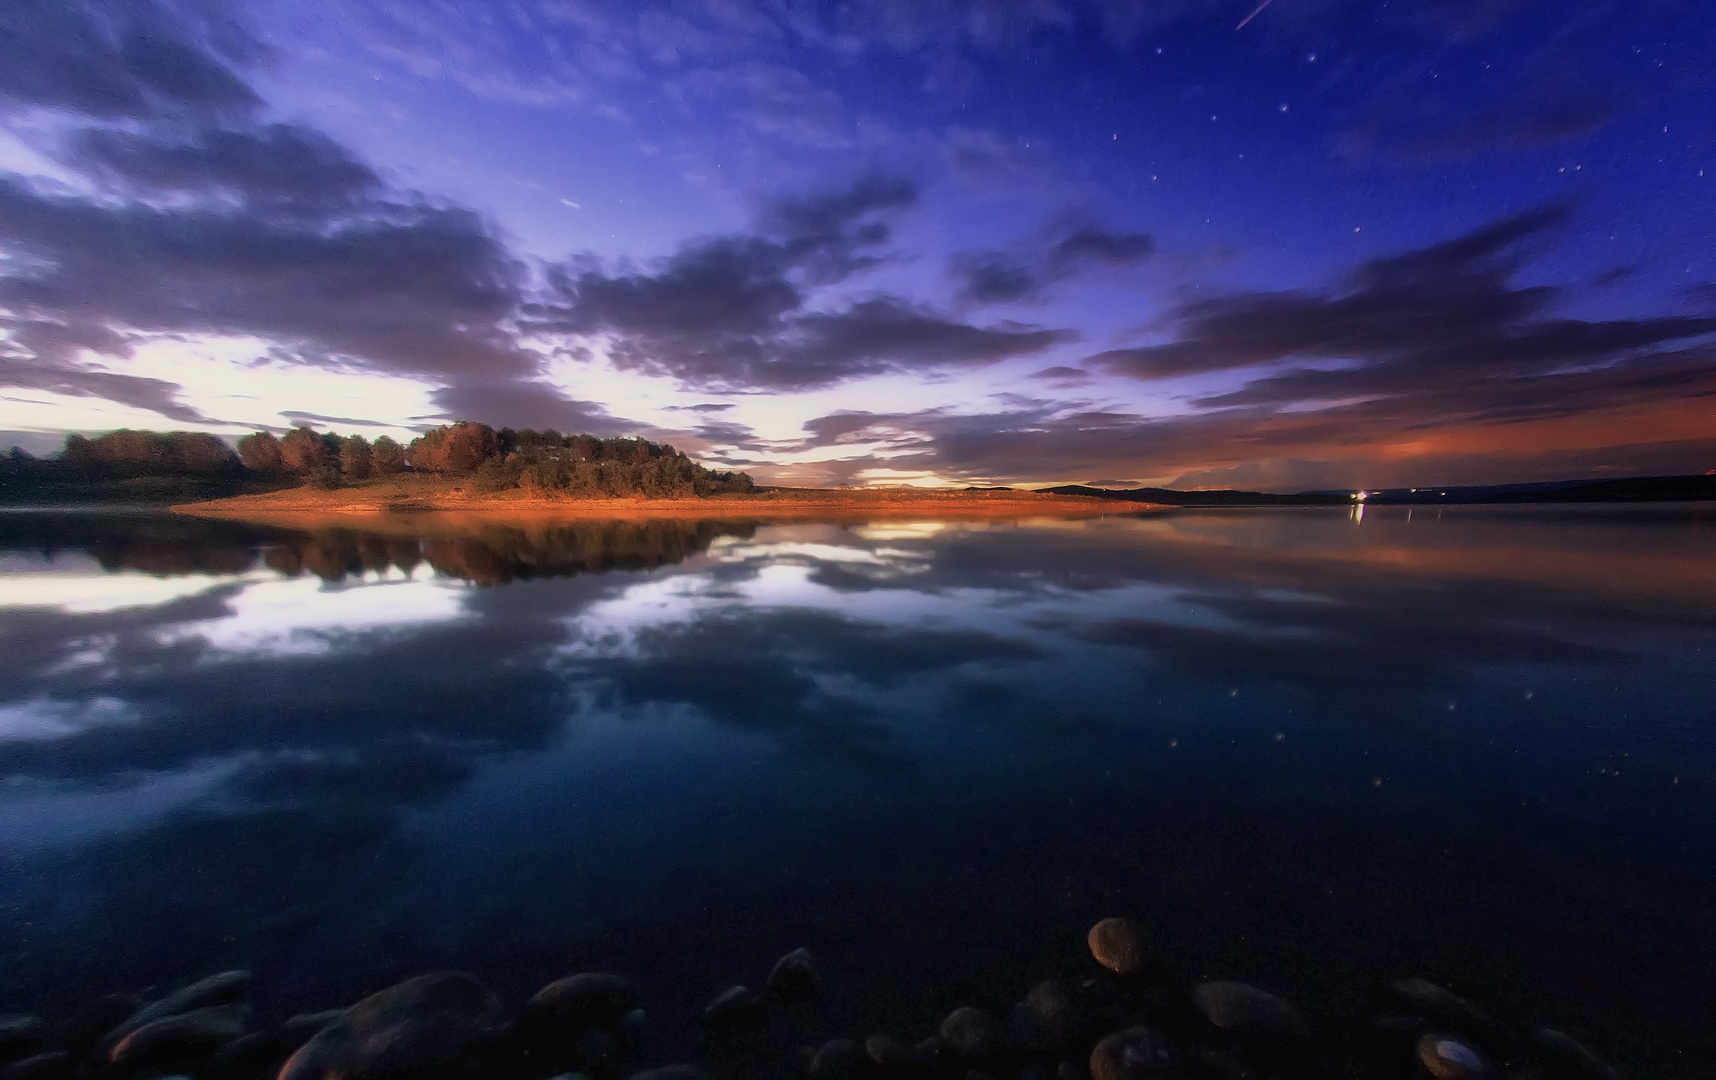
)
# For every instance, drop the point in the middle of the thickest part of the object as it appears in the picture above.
(537, 462)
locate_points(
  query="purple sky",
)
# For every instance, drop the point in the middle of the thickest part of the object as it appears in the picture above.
(1348, 244)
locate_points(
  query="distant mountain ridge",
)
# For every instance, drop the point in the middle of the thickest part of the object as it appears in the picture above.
(1625, 489)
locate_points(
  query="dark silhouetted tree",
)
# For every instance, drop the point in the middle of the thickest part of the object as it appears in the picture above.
(260, 452)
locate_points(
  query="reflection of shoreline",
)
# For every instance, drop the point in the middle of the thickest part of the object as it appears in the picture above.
(495, 554)
(427, 497)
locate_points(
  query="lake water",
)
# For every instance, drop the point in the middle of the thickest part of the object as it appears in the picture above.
(1304, 749)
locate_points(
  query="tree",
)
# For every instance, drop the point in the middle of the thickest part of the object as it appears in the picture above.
(455, 450)
(302, 450)
(386, 457)
(355, 458)
(260, 452)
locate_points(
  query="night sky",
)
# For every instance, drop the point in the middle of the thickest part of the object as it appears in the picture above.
(1319, 243)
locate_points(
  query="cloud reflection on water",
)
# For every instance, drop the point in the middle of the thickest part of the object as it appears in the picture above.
(282, 732)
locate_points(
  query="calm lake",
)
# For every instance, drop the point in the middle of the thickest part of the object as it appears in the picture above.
(1303, 749)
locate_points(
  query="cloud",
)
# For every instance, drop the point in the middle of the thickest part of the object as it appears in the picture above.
(121, 59)
(736, 312)
(1397, 324)
(271, 165)
(526, 403)
(197, 217)
(995, 277)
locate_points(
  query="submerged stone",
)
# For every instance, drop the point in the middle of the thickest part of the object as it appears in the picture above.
(48, 1065)
(1047, 1016)
(1447, 1058)
(195, 1031)
(1135, 1053)
(733, 1007)
(593, 997)
(1573, 1054)
(422, 1023)
(888, 1050)
(794, 976)
(1243, 1009)
(969, 1032)
(1118, 945)
(835, 1060)
(20, 1035)
(221, 989)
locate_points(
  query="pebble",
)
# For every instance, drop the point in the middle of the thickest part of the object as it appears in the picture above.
(1047, 1016)
(1574, 1054)
(43, 1066)
(794, 976)
(417, 1025)
(1243, 1009)
(969, 1032)
(197, 1030)
(835, 1060)
(297, 1030)
(887, 1050)
(732, 1007)
(1118, 945)
(633, 1027)
(593, 997)
(1445, 1005)
(221, 989)
(1136, 1053)
(1447, 1058)
(20, 1035)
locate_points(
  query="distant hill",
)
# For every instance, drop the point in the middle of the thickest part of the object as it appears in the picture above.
(1628, 489)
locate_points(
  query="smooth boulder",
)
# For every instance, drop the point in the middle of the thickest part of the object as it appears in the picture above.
(736, 1006)
(1118, 945)
(1242, 1009)
(1447, 1058)
(422, 1023)
(20, 1035)
(592, 997)
(969, 1032)
(887, 1050)
(186, 1033)
(1135, 1053)
(835, 1060)
(44, 1066)
(221, 989)
(1047, 1017)
(794, 976)
(1573, 1054)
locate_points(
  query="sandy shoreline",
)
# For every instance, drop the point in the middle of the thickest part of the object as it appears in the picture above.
(825, 504)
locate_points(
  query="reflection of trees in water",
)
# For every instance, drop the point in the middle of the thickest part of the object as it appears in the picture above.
(496, 554)
(153, 543)
(491, 553)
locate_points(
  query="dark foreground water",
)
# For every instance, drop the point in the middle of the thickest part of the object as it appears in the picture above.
(1305, 750)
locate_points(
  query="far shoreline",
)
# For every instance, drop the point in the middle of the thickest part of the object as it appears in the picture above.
(424, 496)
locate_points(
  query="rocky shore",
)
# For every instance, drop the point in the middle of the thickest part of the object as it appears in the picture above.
(1122, 1019)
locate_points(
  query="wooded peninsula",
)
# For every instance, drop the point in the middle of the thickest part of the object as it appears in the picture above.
(463, 466)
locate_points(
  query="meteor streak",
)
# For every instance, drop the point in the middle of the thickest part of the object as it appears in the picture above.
(1253, 14)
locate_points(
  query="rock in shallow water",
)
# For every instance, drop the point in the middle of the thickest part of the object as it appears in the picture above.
(794, 976)
(1447, 1058)
(1118, 945)
(20, 1035)
(422, 1023)
(1047, 1017)
(593, 997)
(1573, 1054)
(200, 1030)
(44, 1066)
(1136, 1053)
(969, 1032)
(835, 1060)
(734, 1007)
(221, 989)
(886, 1050)
(1243, 1009)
